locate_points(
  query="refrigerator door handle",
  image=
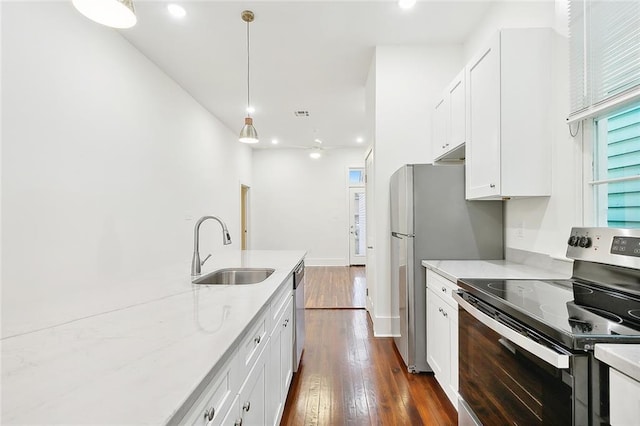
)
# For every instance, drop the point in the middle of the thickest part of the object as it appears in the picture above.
(401, 236)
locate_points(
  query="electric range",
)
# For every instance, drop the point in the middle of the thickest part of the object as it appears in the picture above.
(549, 327)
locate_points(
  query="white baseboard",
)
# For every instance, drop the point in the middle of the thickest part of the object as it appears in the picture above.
(310, 261)
(382, 326)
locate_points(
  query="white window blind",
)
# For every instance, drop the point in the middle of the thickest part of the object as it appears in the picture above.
(604, 55)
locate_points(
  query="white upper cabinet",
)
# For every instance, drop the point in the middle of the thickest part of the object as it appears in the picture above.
(449, 123)
(457, 112)
(508, 127)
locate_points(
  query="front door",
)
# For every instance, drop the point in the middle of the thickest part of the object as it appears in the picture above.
(357, 226)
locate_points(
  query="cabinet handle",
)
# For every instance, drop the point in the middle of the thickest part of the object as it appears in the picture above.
(208, 415)
(257, 340)
(444, 289)
(440, 310)
(444, 313)
(491, 185)
(238, 422)
(247, 406)
(286, 322)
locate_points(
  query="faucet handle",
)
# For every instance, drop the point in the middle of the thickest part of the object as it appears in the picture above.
(205, 259)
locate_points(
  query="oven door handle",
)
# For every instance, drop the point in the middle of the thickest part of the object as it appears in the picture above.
(544, 353)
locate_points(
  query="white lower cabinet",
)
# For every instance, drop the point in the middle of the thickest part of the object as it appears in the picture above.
(251, 386)
(280, 363)
(253, 395)
(624, 395)
(442, 333)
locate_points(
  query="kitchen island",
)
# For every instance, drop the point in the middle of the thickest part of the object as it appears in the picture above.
(137, 360)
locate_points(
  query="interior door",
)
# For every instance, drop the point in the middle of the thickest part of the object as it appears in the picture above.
(357, 226)
(244, 216)
(370, 230)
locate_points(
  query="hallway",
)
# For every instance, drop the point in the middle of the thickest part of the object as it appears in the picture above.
(335, 287)
(349, 377)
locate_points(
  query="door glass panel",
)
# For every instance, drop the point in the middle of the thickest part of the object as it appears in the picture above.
(359, 224)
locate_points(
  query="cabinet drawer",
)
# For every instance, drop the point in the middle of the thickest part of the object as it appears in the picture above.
(253, 343)
(279, 303)
(442, 286)
(217, 398)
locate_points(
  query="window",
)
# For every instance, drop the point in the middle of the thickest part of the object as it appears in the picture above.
(604, 63)
(617, 169)
(604, 57)
(356, 176)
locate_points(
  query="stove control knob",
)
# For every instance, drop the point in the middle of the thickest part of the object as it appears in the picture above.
(573, 241)
(588, 243)
(583, 242)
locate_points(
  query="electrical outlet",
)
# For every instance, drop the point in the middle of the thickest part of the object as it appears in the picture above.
(520, 229)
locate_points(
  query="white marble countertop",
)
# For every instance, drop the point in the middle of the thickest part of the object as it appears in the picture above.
(624, 358)
(498, 269)
(138, 357)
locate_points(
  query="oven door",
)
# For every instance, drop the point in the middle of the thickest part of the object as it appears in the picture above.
(508, 378)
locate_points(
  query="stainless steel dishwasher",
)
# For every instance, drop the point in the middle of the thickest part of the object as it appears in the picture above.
(298, 319)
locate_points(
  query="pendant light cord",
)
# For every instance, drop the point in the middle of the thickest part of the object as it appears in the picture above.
(248, 84)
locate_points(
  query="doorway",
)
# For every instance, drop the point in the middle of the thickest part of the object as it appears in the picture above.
(244, 216)
(357, 226)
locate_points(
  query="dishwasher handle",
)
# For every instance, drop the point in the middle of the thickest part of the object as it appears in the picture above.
(298, 274)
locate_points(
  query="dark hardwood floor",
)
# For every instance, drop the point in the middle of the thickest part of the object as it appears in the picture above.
(335, 287)
(348, 377)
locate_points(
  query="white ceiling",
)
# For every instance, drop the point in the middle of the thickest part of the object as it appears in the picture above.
(305, 55)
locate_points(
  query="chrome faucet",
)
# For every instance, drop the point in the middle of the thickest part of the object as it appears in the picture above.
(196, 264)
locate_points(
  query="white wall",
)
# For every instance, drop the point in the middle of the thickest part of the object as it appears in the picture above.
(301, 203)
(542, 224)
(106, 164)
(408, 82)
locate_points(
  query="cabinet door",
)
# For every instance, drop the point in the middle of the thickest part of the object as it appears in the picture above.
(286, 351)
(253, 407)
(438, 338)
(625, 399)
(440, 127)
(232, 417)
(274, 400)
(483, 123)
(457, 112)
(280, 371)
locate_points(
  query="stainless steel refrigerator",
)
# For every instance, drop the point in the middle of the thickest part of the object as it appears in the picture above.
(430, 219)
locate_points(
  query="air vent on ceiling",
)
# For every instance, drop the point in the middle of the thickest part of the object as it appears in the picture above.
(301, 113)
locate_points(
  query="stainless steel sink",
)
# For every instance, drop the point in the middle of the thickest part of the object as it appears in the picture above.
(235, 276)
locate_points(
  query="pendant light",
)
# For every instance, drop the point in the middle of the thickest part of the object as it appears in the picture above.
(248, 133)
(112, 13)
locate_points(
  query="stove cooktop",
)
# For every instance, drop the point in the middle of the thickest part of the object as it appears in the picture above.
(571, 312)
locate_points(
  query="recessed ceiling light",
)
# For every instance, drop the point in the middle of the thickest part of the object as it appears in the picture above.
(406, 4)
(274, 141)
(176, 10)
(317, 141)
(251, 109)
(359, 140)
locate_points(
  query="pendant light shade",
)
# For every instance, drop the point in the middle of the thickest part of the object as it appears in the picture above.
(112, 13)
(248, 134)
